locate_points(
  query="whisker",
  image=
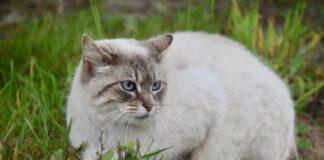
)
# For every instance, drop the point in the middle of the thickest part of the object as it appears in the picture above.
(122, 129)
(116, 130)
(120, 132)
(109, 115)
(127, 127)
(114, 119)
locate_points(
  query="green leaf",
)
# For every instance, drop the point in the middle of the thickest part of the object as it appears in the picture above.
(300, 103)
(153, 153)
(107, 156)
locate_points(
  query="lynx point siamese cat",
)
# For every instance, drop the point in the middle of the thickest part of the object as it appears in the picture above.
(203, 95)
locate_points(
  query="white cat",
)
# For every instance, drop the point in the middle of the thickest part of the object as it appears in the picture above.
(205, 96)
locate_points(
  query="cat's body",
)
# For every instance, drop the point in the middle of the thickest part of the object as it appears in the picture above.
(220, 103)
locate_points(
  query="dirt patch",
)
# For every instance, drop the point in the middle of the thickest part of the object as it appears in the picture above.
(315, 134)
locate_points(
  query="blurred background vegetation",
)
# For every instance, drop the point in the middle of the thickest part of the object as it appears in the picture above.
(40, 47)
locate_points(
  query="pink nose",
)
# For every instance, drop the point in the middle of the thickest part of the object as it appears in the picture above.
(148, 107)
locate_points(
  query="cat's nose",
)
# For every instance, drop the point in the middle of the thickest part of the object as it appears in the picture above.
(148, 107)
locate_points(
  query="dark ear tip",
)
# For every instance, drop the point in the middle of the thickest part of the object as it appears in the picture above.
(170, 37)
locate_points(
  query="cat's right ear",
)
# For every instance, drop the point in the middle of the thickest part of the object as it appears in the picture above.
(93, 56)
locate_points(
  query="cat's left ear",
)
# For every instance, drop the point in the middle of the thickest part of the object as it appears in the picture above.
(93, 56)
(160, 44)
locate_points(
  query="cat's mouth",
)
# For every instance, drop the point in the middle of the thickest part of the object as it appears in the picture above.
(141, 115)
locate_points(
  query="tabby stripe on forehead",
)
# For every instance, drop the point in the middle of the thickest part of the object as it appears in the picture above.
(104, 89)
(153, 74)
(136, 74)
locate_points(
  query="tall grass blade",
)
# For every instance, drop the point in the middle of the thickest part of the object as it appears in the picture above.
(96, 17)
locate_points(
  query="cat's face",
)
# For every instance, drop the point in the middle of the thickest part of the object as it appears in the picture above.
(125, 77)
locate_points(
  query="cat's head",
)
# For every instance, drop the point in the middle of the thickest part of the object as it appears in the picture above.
(124, 76)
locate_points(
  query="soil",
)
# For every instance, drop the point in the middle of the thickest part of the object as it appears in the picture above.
(315, 134)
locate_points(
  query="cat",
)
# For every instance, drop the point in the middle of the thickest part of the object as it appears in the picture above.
(205, 96)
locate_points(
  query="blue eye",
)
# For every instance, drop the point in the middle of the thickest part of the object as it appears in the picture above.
(128, 85)
(156, 86)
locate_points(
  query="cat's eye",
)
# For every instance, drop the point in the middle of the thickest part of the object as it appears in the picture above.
(156, 86)
(128, 85)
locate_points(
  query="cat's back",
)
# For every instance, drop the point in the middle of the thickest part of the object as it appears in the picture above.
(214, 51)
(246, 81)
(233, 64)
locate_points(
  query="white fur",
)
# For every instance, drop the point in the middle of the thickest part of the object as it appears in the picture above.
(124, 46)
(221, 104)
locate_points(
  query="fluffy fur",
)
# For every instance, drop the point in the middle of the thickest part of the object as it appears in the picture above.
(219, 101)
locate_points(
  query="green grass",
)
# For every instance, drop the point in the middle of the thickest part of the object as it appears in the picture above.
(38, 57)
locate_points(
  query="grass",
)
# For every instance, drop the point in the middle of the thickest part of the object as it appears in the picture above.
(38, 57)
